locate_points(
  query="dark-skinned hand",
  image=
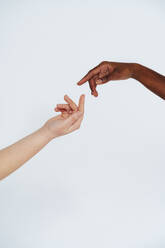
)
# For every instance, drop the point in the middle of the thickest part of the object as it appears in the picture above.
(105, 72)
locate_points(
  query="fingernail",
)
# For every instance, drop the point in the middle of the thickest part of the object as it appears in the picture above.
(95, 93)
(99, 81)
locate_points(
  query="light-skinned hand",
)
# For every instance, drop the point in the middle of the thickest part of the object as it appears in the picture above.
(69, 120)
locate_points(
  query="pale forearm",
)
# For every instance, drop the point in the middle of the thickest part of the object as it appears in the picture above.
(12, 157)
(150, 79)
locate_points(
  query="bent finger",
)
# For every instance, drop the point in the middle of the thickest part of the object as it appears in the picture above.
(71, 103)
(64, 106)
(92, 86)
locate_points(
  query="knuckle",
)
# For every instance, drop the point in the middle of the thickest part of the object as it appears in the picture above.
(91, 73)
(103, 62)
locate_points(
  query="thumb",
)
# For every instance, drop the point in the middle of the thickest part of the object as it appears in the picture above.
(73, 118)
(99, 81)
(102, 80)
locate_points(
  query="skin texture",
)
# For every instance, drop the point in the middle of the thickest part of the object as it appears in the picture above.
(108, 71)
(69, 120)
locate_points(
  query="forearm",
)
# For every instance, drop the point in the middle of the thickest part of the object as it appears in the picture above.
(150, 79)
(12, 157)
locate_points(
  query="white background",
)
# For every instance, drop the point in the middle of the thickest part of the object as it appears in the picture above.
(103, 186)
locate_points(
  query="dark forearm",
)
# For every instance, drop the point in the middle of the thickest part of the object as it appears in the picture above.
(150, 79)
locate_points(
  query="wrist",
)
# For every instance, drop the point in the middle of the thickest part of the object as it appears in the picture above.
(46, 133)
(135, 69)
